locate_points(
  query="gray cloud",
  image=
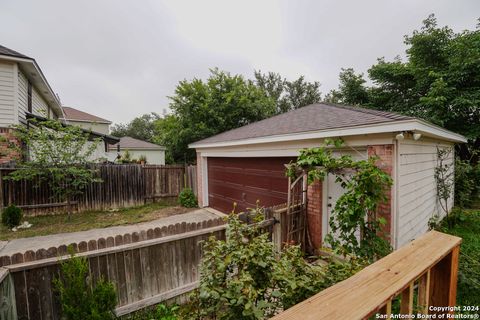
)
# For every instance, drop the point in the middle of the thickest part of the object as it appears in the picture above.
(120, 59)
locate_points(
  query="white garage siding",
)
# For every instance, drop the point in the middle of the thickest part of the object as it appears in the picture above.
(417, 196)
(7, 94)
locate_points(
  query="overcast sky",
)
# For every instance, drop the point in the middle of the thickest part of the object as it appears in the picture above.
(120, 59)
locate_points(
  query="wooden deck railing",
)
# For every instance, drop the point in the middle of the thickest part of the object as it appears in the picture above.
(426, 268)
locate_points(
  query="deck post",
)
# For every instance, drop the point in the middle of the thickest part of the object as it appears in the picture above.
(443, 283)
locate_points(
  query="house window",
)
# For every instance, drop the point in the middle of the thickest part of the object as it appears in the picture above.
(29, 92)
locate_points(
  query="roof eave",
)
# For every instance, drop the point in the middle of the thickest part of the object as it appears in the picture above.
(55, 103)
(89, 121)
(383, 127)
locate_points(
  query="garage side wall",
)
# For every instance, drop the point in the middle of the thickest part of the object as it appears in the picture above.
(417, 194)
(200, 177)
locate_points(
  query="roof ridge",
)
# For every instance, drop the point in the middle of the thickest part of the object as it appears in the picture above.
(386, 114)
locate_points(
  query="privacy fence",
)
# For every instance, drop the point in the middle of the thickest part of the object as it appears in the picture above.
(145, 272)
(122, 186)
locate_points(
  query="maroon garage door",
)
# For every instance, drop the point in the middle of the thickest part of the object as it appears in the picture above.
(246, 180)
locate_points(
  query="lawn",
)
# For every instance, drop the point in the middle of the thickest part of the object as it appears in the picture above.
(46, 225)
(468, 293)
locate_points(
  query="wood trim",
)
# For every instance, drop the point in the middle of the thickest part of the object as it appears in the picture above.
(121, 248)
(129, 308)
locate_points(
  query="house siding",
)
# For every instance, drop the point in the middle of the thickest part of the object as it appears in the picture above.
(22, 96)
(7, 94)
(417, 196)
(39, 106)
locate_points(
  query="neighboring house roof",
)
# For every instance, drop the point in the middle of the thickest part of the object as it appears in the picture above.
(9, 52)
(73, 114)
(35, 75)
(92, 134)
(135, 144)
(323, 120)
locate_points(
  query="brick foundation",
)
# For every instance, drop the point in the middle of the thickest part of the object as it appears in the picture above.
(314, 213)
(385, 162)
(7, 138)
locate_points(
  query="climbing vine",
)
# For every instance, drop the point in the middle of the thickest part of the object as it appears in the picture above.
(355, 211)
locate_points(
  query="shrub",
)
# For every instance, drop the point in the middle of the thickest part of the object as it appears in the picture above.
(187, 198)
(467, 183)
(79, 297)
(11, 216)
(243, 277)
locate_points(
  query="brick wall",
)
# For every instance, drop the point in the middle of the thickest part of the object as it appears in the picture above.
(314, 213)
(385, 162)
(7, 138)
(200, 174)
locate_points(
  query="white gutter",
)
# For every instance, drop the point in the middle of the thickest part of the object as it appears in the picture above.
(416, 125)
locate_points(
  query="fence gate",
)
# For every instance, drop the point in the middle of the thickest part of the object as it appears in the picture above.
(297, 210)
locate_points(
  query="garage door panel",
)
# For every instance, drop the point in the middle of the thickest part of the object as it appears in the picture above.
(246, 180)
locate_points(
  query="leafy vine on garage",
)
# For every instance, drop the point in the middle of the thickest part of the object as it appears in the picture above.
(355, 211)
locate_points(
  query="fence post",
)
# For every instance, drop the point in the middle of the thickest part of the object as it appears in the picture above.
(277, 230)
(1, 191)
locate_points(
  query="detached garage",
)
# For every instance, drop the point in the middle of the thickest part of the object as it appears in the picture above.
(246, 165)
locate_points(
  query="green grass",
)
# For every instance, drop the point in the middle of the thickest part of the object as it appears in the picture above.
(468, 292)
(46, 225)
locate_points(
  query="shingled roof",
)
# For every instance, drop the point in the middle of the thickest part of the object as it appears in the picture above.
(135, 144)
(77, 115)
(12, 53)
(314, 117)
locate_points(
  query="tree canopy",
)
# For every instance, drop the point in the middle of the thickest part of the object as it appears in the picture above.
(142, 127)
(288, 95)
(201, 109)
(439, 81)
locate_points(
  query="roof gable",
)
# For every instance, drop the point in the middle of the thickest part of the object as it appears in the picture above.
(78, 115)
(133, 144)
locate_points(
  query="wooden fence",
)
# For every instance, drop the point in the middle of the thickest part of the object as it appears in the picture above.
(8, 309)
(122, 186)
(144, 273)
(426, 268)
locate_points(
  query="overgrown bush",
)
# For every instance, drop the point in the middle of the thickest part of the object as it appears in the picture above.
(80, 298)
(243, 277)
(11, 216)
(467, 183)
(187, 198)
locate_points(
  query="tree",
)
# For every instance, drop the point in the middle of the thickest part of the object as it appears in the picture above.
(201, 109)
(288, 95)
(351, 91)
(439, 82)
(142, 127)
(57, 155)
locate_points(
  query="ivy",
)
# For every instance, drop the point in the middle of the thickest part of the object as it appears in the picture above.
(355, 211)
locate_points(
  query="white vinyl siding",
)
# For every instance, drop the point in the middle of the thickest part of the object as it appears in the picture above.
(7, 94)
(39, 106)
(153, 156)
(22, 96)
(417, 195)
(102, 128)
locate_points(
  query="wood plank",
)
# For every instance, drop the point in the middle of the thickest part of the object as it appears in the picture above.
(121, 248)
(423, 292)
(156, 299)
(406, 305)
(376, 284)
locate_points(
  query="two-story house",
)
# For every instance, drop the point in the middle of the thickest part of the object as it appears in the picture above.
(24, 93)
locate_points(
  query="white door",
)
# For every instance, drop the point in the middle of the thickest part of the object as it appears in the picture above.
(332, 190)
